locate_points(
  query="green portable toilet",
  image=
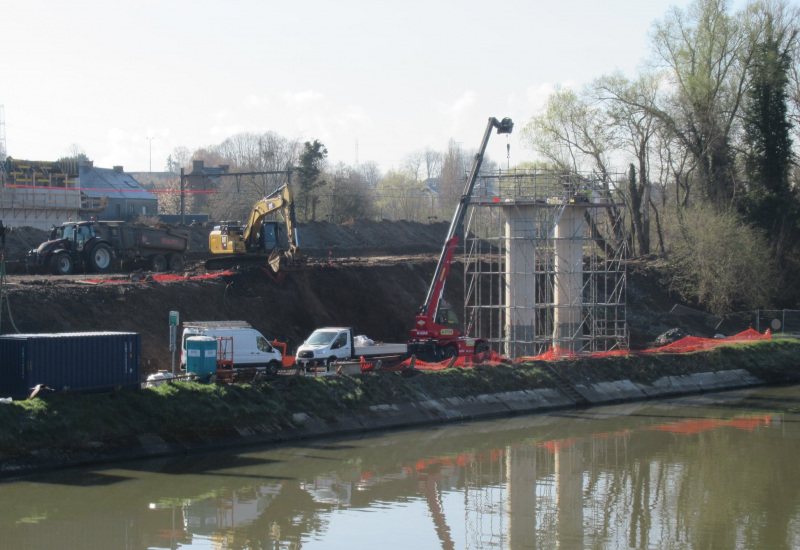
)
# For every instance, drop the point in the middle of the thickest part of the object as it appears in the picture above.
(201, 355)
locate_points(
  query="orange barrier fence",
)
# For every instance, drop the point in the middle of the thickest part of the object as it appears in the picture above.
(163, 277)
(492, 358)
(684, 345)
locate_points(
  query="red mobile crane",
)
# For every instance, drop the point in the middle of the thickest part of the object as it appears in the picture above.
(434, 325)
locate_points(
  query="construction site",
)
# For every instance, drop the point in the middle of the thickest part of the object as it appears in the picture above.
(532, 262)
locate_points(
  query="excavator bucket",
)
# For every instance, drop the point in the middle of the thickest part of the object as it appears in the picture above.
(286, 261)
(275, 261)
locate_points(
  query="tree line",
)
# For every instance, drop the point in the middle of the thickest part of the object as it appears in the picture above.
(707, 130)
(426, 187)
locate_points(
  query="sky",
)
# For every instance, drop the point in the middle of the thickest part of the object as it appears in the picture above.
(129, 81)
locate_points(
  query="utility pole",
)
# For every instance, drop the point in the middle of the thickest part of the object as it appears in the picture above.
(183, 198)
(150, 139)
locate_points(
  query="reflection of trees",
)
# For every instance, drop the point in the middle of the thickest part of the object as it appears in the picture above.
(290, 516)
(543, 482)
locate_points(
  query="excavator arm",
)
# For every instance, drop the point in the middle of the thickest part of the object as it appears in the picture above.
(280, 199)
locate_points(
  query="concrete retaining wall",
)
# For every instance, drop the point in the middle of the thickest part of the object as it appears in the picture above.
(428, 412)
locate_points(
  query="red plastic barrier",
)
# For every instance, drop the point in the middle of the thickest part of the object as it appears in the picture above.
(684, 345)
(492, 358)
(163, 277)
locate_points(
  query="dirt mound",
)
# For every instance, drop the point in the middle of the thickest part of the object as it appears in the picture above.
(19, 240)
(371, 237)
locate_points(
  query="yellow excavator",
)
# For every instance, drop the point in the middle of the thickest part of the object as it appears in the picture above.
(231, 244)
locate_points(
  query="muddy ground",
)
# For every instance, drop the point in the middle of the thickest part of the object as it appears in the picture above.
(369, 275)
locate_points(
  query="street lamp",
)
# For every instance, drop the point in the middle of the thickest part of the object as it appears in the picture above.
(148, 138)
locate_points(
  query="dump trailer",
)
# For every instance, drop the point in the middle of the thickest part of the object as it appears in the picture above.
(100, 246)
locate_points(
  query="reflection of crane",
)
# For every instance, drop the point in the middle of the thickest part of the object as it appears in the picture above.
(232, 244)
(435, 506)
(435, 325)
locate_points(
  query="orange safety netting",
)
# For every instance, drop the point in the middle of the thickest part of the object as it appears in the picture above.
(163, 277)
(492, 358)
(684, 345)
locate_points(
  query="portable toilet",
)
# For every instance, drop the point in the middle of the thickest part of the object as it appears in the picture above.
(201, 355)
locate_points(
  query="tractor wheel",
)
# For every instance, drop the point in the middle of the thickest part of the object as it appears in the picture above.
(61, 264)
(158, 263)
(449, 352)
(175, 262)
(100, 258)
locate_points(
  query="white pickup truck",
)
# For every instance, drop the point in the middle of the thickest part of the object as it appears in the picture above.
(330, 344)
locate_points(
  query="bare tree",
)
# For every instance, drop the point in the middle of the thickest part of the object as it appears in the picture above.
(348, 197)
(179, 158)
(634, 130)
(704, 51)
(572, 133)
(413, 164)
(433, 163)
(454, 168)
(371, 173)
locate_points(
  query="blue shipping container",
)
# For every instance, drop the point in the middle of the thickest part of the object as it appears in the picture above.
(74, 361)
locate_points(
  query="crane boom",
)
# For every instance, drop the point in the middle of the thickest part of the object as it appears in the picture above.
(446, 257)
(427, 325)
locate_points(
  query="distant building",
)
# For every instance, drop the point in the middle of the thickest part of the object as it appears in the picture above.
(42, 193)
(201, 182)
(38, 193)
(115, 194)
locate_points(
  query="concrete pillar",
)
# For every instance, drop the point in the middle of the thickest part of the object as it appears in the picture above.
(568, 283)
(520, 290)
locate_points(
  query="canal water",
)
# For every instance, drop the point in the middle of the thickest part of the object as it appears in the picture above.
(716, 471)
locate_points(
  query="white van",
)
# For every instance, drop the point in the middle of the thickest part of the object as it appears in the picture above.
(249, 347)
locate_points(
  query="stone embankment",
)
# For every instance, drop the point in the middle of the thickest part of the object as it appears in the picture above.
(182, 418)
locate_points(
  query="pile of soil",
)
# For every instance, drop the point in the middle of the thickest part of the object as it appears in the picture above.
(372, 276)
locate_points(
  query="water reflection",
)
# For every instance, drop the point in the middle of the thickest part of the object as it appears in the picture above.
(706, 472)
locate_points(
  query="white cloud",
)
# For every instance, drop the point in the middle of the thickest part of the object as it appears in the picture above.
(466, 101)
(303, 99)
(258, 102)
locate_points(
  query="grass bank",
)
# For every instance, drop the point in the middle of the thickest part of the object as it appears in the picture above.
(73, 428)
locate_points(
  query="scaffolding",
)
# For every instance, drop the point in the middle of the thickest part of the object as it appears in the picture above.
(544, 263)
(41, 193)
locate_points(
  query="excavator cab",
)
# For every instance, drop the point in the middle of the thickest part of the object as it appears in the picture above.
(269, 235)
